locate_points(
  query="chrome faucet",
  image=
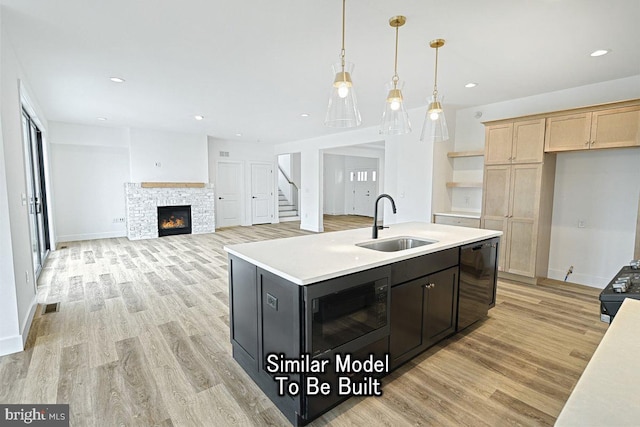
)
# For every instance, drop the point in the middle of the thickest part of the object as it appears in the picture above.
(375, 214)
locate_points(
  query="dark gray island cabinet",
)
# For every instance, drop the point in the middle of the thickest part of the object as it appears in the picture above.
(312, 342)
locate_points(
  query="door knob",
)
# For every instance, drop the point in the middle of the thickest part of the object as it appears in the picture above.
(220, 198)
(253, 197)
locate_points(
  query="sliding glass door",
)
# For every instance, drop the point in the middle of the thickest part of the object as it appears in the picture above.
(36, 194)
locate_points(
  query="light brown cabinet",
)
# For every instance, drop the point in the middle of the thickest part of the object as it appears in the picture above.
(519, 174)
(515, 142)
(607, 128)
(517, 201)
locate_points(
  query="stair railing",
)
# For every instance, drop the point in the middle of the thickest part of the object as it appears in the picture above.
(288, 188)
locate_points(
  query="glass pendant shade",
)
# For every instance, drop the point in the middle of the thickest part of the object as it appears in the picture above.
(435, 124)
(395, 119)
(342, 111)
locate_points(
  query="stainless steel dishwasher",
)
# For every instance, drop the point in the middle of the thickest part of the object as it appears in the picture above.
(478, 275)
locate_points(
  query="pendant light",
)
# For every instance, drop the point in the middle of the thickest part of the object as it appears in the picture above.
(395, 119)
(342, 111)
(435, 124)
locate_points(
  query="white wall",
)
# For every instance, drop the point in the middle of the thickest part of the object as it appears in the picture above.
(311, 191)
(17, 282)
(168, 156)
(338, 197)
(408, 169)
(567, 242)
(334, 184)
(246, 153)
(90, 165)
(9, 325)
(600, 188)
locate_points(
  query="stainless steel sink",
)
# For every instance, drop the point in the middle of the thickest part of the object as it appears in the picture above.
(396, 244)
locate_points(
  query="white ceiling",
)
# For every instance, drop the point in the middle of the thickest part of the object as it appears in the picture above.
(253, 67)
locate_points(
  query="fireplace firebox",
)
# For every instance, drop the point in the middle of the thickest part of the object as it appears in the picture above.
(174, 220)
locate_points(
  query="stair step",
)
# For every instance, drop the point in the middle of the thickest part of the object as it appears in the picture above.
(288, 213)
(282, 208)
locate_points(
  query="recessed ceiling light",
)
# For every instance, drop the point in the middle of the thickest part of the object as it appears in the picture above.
(238, 134)
(305, 115)
(102, 119)
(600, 52)
(116, 79)
(471, 85)
(198, 117)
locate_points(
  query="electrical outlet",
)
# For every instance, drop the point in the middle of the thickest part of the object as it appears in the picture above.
(581, 223)
(158, 164)
(118, 220)
(466, 200)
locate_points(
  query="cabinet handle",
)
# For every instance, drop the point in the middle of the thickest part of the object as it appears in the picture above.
(586, 143)
(593, 142)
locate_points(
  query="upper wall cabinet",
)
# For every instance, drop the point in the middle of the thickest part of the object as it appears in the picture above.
(610, 128)
(514, 142)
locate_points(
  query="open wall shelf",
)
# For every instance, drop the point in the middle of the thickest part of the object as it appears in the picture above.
(464, 185)
(476, 153)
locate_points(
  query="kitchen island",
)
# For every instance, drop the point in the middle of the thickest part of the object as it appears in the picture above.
(318, 318)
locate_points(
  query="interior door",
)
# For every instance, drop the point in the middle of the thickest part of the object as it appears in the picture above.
(229, 194)
(261, 192)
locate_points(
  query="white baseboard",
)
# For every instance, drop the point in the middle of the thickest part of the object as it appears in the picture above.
(581, 279)
(289, 218)
(10, 345)
(26, 324)
(91, 236)
(16, 343)
(311, 227)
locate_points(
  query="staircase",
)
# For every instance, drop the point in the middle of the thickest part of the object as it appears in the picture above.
(286, 210)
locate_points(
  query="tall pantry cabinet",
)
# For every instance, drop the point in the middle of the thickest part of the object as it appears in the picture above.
(518, 195)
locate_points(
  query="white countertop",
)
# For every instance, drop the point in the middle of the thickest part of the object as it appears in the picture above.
(607, 392)
(309, 259)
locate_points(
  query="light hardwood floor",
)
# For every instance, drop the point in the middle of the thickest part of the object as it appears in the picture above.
(142, 338)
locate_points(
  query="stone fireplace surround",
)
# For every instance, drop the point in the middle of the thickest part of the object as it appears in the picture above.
(142, 201)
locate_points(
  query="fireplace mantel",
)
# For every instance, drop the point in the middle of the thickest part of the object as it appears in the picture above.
(142, 202)
(173, 185)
